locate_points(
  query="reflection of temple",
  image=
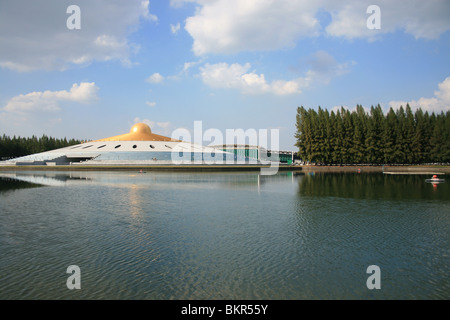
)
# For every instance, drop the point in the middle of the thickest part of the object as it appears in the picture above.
(135, 181)
(44, 179)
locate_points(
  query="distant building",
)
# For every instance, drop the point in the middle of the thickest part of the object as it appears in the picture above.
(258, 153)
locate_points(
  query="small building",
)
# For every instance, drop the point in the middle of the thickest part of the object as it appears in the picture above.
(258, 153)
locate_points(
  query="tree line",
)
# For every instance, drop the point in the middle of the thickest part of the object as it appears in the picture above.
(360, 137)
(20, 146)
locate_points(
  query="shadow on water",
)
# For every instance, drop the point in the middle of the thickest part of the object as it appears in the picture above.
(10, 184)
(372, 186)
(20, 180)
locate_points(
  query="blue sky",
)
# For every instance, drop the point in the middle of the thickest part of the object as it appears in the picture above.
(230, 64)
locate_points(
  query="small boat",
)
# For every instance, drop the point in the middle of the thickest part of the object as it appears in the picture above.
(435, 179)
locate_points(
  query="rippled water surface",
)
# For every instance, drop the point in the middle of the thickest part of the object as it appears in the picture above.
(222, 235)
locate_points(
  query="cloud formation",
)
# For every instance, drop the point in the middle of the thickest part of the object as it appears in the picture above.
(49, 101)
(236, 76)
(34, 34)
(440, 101)
(175, 28)
(155, 78)
(231, 26)
(423, 20)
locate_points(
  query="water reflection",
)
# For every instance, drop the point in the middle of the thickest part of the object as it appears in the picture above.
(138, 179)
(161, 235)
(371, 186)
(41, 178)
(134, 196)
(10, 184)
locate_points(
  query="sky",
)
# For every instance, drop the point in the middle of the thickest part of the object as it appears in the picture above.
(227, 64)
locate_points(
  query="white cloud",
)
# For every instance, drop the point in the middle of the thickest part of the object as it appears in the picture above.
(236, 76)
(222, 75)
(34, 35)
(163, 124)
(324, 67)
(145, 4)
(155, 78)
(188, 65)
(422, 19)
(48, 100)
(230, 26)
(148, 122)
(443, 94)
(150, 103)
(440, 101)
(350, 21)
(175, 28)
(163, 128)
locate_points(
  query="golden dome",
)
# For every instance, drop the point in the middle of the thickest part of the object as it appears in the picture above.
(141, 128)
(138, 132)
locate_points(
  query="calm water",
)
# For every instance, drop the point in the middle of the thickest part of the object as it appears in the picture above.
(223, 235)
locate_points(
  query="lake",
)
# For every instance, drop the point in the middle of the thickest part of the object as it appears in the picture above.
(233, 235)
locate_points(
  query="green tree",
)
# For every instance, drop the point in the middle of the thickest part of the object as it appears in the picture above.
(418, 139)
(21, 146)
(409, 132)
(303, 134)
(390, 137)
(337, 138)
(345, 137)
(358, 146)
(400, 141)
(331, 144)
(374, 144)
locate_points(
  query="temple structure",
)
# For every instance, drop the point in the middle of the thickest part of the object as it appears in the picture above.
(138, 147)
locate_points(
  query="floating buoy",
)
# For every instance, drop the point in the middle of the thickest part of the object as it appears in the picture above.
(434, 180)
